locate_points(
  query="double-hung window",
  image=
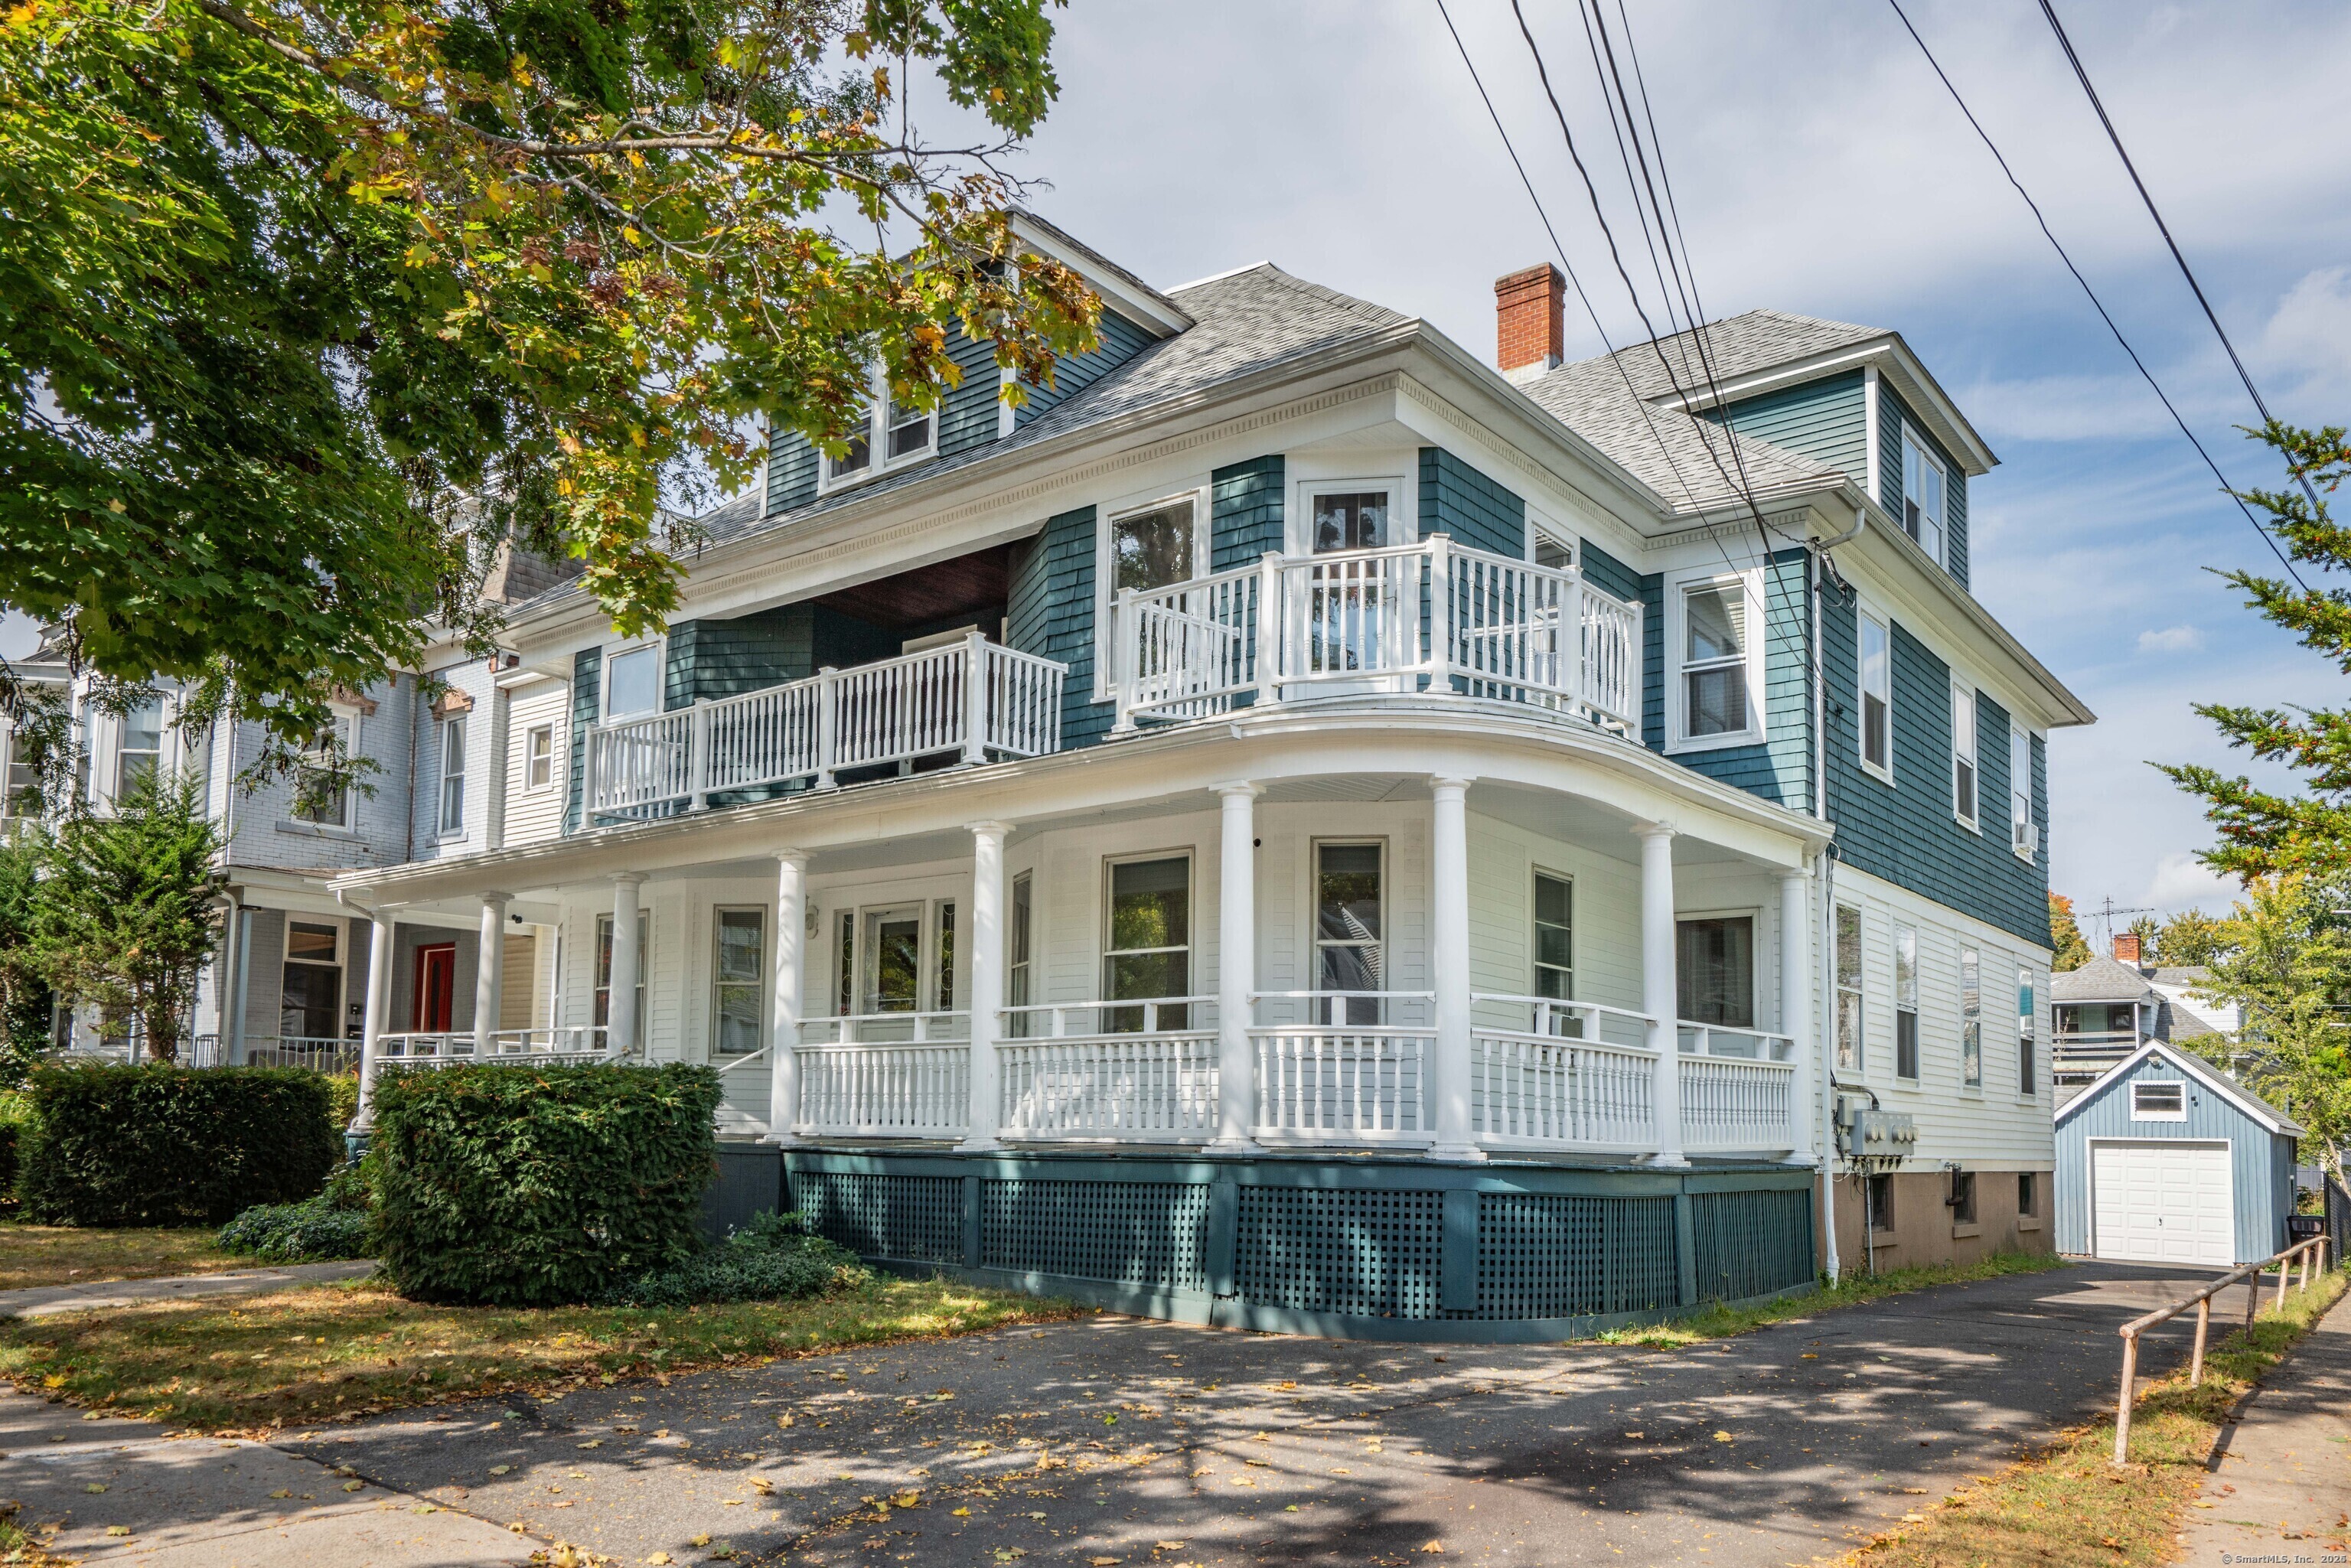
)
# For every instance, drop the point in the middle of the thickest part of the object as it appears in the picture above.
(1713, 660)
(857, 456)
(538, 756)
(909, 431)
(330, 751)
(1147, 950)
(1923, 487)
(601, 1001)
(452, 775)
(1019, 969)
(1555, 937)
(885, 431)
(1714, 970)
(1970, 1018)
(1905, 1002)
(1350, 932)
(310, 989)
(140, 745)
(1849, 1017)
(1877, 660)
(2020, 836)
(739, 964)
(2028, 1065)
(1964, 776)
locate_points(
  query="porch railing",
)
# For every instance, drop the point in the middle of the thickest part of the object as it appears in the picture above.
(1434, 615)
(449, 1047)
(1558, 1080)
(885, 1075)
(1135, 1072)
(1354, 1072)
(1738, 1088)
(896, 711)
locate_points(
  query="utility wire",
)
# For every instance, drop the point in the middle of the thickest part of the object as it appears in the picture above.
(1992, 147)
(2115, 136)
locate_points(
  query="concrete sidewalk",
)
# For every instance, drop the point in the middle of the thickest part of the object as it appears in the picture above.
(44, 1300)
(2280, 1487)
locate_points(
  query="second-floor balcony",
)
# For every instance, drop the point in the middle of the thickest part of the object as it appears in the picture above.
(965, 701)
(1432, 616)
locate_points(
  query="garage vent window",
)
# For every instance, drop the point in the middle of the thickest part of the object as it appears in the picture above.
(2160, 1102)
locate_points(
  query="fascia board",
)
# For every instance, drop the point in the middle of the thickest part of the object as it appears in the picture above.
(1121, 290)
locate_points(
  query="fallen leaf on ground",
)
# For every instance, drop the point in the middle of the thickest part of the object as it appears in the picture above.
(355, 1486)
(281, 1491)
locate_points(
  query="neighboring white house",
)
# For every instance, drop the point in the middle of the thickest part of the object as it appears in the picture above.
(2110, 1007)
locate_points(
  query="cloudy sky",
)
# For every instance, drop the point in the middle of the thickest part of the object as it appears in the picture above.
(1819, 167)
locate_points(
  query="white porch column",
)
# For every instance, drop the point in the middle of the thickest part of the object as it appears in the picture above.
(623, 1029)
(1447, 1085)
(1795, 1007)
(784, 1012)
(490, 973)
(379, 1014)
(1659, 994)
(987, 980)
(1236, 970)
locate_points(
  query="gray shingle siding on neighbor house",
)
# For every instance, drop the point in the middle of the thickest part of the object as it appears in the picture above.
(1827, 421)
(1245, 511)
(1120, 341)
(2261, 1162)
(1051, 612)
(1905, 831)
(1893, 414)
(1457, 499)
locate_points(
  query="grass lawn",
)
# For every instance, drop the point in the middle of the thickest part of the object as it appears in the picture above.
(1718, 1321)
(63, 1255)
(2072, 1503)
(305, 1357)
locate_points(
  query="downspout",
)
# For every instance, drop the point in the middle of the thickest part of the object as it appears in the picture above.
(1825, 876)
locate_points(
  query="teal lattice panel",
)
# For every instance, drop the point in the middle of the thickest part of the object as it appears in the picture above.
(1752, 1243)
(917, 1217)
(1358, 1253)
(1548, 1255)
(1151, 1234)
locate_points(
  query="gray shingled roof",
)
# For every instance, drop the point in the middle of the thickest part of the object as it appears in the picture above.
(2099, 980)
(1738, 346)
(1686, 460)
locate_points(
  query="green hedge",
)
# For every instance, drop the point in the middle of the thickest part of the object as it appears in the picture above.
(516, 1185)
(151, 1145)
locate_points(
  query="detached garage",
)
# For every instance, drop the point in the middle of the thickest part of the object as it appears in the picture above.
(2164, 1160)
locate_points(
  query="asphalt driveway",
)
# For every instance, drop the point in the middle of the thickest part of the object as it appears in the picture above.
(1114, 1439)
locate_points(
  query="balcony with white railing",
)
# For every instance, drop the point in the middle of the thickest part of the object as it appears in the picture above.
(1433, 616)
(967, 701)
(517, 1047)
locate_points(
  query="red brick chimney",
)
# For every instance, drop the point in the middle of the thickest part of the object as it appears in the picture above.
(1530, 336)
(2126, 947)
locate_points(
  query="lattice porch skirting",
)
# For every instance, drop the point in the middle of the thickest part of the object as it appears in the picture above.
(1344, 1247)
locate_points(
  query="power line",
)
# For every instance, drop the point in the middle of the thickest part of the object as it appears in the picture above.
(2095, 302)
(2115, 136)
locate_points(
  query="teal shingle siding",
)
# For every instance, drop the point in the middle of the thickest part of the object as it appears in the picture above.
(791, 471)
(1905, 831)
(1653, 661)
(1892, 414)
(1827, 421)
(1245, 511)
(587, 695)
(967, 414)
(1457, 499)
(1120, 341)
(1607, 573)
(1780, 766)
(1051, 611)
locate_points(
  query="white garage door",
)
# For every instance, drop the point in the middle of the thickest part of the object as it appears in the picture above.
(2159, 1201)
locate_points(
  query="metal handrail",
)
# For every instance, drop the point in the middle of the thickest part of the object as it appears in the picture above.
(2312, 1253)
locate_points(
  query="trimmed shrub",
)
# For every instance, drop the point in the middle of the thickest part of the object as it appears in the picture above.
(773, 1259)
(343, 1089)
(516, 1185)
(146, 1144)
(316, 1231)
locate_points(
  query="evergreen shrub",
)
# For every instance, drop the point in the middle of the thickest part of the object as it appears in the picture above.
(146, 1144)
(775, 1259)
(325, 1229)
(522, 1185)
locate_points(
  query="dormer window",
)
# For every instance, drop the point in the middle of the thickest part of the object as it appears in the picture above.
(1924, 483)
(899, 431)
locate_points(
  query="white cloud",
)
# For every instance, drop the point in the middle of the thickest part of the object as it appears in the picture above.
(2171, 639)
(2181, 881)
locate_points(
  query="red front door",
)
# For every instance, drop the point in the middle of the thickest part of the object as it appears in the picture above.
(436, 988)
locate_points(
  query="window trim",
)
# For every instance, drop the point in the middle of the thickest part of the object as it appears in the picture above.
(599, 974)
(1858, 990)
(1298, 524)
(1915, 436)
(1535, 965)
(1753, 915)
(2138, 1114)
(1189, 855)
(443, 778)
(2028, 1032)
(345, 822)
(1677, 589)
(338, 963)
(2025, 845)
(1314, 944)
(1200, 494)
(1864, 618)
(759, 985)
(878, 460)
(120, 726)
(1910, 1008)
(1970, 1021)
(529, 734)
(618, 648)
(1973, 821)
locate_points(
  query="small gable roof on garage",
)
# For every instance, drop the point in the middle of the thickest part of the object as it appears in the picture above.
(2237, 1094)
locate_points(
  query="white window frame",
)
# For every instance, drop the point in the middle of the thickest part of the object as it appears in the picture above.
(2022, 837)
(600, 974)
(1906, 1003)
(1857, 991)
(1915, 440)
(1756, 996)
(1964, 750)
(347, 721)
(1383, 944)
(335, 962)
(1677, 595)
(122, 754)
(1972, 1021)
(611, 651)
(443, 776)
(2179, 1086)
(1535, 964)
(757, 985)
(531, 739)
(878, 460)
(2028, 1032)
(1191, 949)
(1106, 559)
(1864, 622)
(1404, 520)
